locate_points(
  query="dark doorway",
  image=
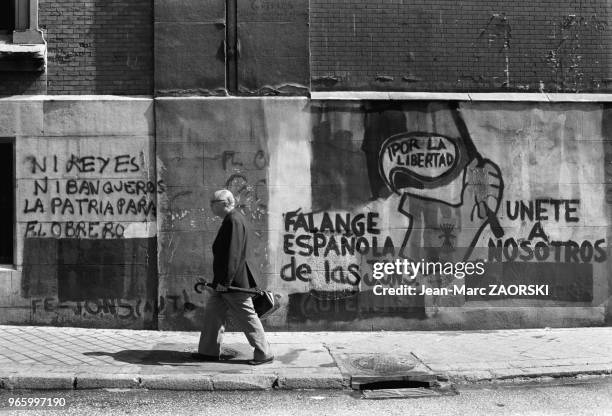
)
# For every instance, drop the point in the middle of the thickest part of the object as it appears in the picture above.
(7, 16)
(7, 202)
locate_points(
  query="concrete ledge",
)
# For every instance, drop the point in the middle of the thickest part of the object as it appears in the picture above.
(49, 381)
(243, 381)
(559, 97)
(234, 97)
(196, 382)
(101, 381)
(460, 96)
(509, 96)
(77, 98)
(388, 95)
(348, 96)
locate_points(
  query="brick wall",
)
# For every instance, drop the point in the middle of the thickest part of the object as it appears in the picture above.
(98, 46)
(461, 45)
(106, 47)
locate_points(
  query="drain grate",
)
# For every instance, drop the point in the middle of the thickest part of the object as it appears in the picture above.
(385, 376)
(395, 384)
(407, 389)
(406, 393)
(369, 368)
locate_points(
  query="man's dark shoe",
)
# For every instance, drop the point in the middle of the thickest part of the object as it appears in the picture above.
(263, 361)
(204, 357)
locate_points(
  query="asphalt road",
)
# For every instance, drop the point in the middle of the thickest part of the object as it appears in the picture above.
(589, 397)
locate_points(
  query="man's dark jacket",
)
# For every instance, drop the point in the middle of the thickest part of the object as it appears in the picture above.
(234, 264)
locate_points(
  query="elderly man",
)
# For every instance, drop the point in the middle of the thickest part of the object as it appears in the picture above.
(232, 266)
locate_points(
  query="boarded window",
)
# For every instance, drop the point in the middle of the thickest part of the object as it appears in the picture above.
(7, 204)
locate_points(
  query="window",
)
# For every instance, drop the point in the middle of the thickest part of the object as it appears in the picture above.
(7, 16)
(7, 201)
(22, 45)
(19, 18)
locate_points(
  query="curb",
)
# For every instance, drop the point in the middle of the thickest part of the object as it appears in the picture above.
(180, 381)
(49, 381)
(514, 375)
(244, 381)
(176, 382)
(282, 380)
(83, 381)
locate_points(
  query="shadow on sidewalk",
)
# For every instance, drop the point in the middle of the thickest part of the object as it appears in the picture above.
(159, 357)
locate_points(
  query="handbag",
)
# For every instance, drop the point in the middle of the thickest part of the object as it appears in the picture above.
(264, 301)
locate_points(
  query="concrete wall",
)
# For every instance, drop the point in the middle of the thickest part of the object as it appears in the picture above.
(203, 145)
(530, 178)
(86, 195)
(113, 224)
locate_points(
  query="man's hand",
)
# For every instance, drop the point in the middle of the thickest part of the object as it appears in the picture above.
(221, 288)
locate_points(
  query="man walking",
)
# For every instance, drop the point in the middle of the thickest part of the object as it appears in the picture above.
(232, 266)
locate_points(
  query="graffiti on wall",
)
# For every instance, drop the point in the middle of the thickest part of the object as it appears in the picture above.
(140, 310)
(354, 183)
(565, 266)
(247, 182)
(431, 178)
(443, 169)
(84, 221)
(70, 201)
(117, 308)
(537, 244)
(432, 194)
(333, 236)
(245, 177)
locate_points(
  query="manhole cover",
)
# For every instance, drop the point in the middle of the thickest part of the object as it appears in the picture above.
(381, 364)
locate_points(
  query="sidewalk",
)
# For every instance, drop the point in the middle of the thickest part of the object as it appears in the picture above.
(69, 358)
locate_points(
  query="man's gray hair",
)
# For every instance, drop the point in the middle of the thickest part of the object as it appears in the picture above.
(226, 196)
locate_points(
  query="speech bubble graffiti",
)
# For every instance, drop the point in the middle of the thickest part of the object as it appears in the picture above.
(420, 160)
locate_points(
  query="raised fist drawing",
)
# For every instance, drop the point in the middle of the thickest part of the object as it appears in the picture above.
(431, 171)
